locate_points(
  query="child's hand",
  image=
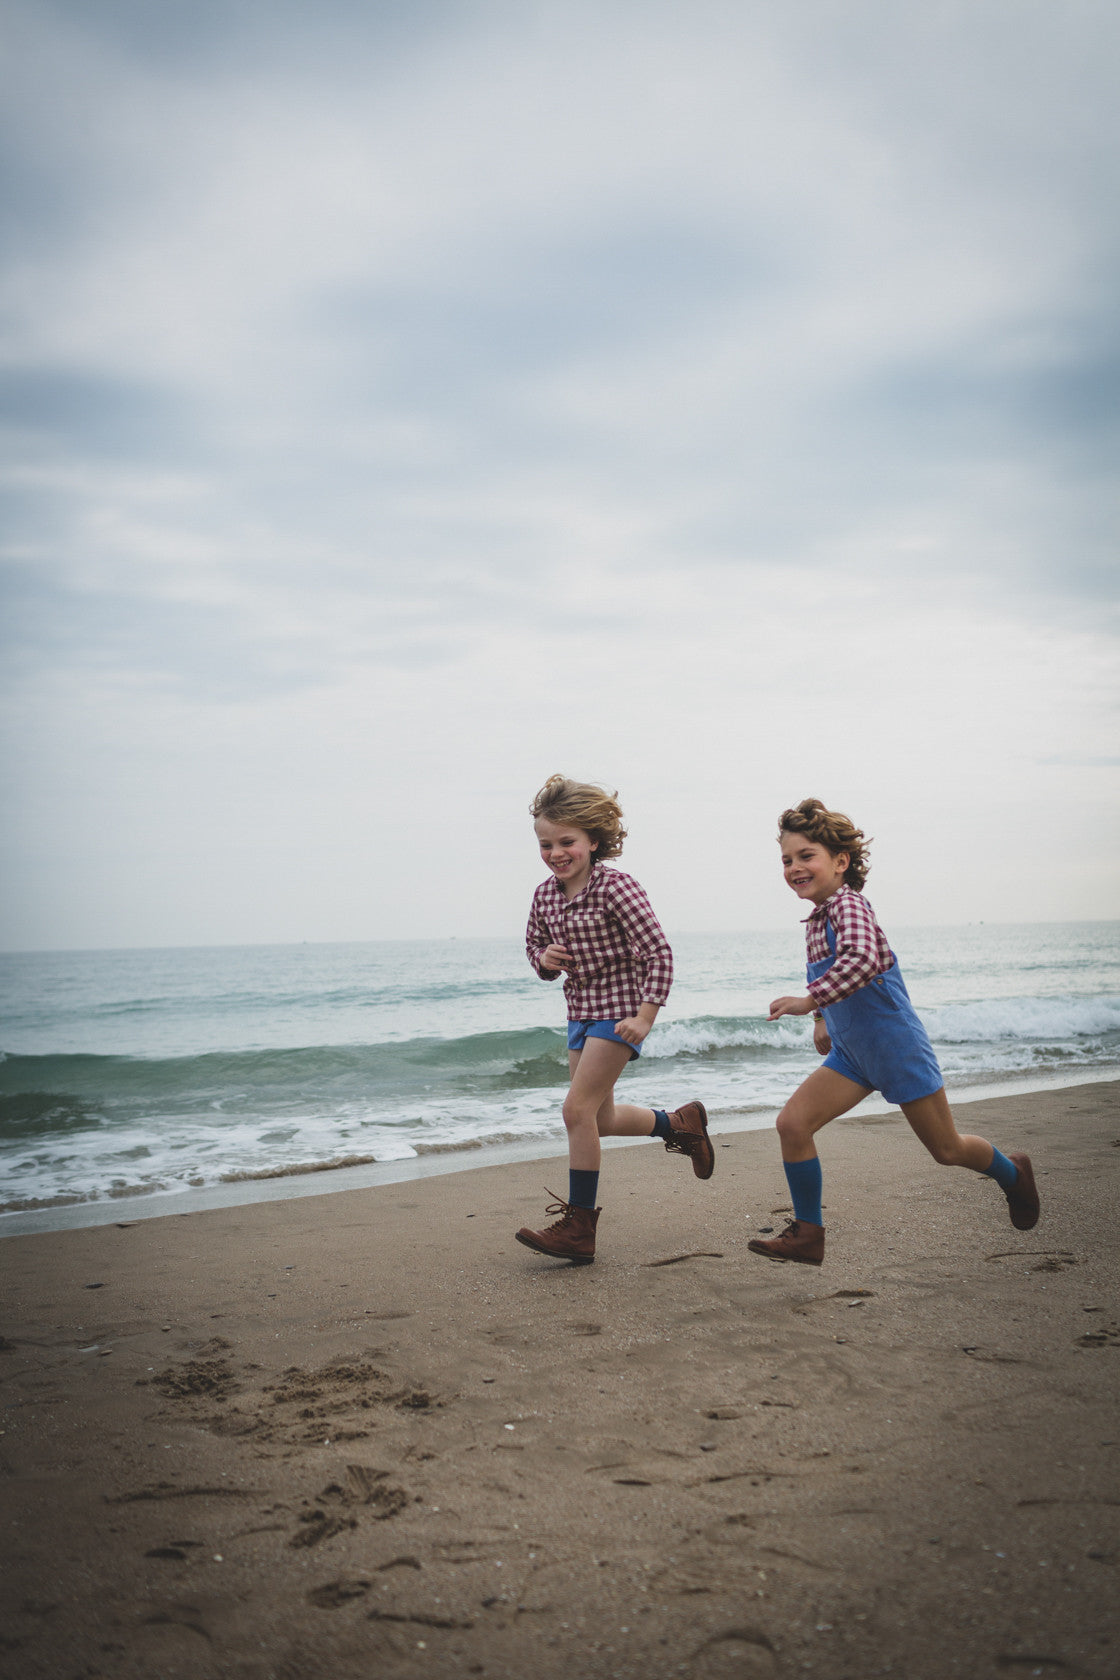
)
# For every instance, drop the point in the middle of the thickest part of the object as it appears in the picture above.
(632, 1030)
(556, 957)
(791, 1006)
(822, 1043)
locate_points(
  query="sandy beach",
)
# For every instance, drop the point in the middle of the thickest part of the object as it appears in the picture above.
(367, 1434)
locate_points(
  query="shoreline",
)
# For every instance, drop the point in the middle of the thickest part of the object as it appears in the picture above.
(288, 1184)
(369, 1433)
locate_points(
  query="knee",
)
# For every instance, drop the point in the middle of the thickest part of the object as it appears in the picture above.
(947, 1152)
(792, 1127)
(574, 1114)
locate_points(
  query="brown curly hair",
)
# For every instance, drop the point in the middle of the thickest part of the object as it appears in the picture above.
(585, 806)
(832, 830)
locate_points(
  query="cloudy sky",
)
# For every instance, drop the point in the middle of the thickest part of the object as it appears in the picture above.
(405, 399)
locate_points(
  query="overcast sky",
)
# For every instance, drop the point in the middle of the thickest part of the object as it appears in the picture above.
(406, 399)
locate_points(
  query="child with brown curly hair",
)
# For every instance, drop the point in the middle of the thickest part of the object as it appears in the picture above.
(595, 925)
(866, 1029)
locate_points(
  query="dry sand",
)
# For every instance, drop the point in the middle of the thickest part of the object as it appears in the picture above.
(368, 1435)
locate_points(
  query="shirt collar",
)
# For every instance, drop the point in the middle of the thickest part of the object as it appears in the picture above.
(820, 911)
(558, 886)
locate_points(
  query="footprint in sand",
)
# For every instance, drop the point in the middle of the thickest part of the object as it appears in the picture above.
(171, 1490)
(209, 1379)
(740, 1653)
(333, 1401)
(332, 1595)
(317, 1526)
(1050, 1259)
(345, 1385)
(1108, 1335)
(365, 1487)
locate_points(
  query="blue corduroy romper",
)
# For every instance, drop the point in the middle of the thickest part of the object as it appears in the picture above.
(877, 1037)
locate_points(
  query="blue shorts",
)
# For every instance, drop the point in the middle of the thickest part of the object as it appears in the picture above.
(879, 1042)
(877, 1039)
(580, 1031)
(899, 1081)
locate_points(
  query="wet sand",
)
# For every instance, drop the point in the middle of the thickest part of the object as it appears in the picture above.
(368, 1435)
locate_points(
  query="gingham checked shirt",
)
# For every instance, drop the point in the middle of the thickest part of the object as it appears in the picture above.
(862, 951)
(623, 958)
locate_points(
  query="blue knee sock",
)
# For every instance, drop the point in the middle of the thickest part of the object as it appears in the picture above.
(1005, 1172)
(583, 1187)
(804, 1180)
(661, 1126)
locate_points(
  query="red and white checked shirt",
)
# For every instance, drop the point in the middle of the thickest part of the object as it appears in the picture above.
(862, 951)
(622, 957)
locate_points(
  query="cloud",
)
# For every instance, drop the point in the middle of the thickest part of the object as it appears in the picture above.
(399, 379)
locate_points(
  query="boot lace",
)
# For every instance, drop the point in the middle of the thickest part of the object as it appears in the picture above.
(560, 1206)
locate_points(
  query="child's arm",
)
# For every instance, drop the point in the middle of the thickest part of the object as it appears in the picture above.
(821, 1040)
(635, 1028)
(547, 959)
(646, 939)
(862, 951)
(822, 1043)
(791, 1006)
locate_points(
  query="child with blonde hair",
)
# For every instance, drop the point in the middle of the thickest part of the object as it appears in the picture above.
(866, 1029)
(595, 925)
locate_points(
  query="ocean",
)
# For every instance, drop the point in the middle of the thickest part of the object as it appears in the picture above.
(129, 1075)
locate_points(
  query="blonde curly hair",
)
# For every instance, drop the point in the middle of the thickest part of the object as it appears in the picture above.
(586, 806)
(832, 830)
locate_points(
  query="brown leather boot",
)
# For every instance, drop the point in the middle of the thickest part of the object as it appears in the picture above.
(1022, 1198)
(572, 1237)
(799, 1241)
(690, 1137)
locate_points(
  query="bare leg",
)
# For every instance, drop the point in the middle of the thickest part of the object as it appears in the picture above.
(594, 1070)
(624, 1120)
(932, 1121)
(824, 1096)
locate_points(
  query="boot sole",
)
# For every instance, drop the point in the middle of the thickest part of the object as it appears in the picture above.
(785, 1259)
(572, 1259)
(710, 1156)
(711, 1163)
(1024, 1210)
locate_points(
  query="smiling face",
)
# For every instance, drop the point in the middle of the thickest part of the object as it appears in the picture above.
(811, 869)
(568, 851)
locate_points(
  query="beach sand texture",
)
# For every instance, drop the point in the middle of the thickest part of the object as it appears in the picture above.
(369, 1435)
